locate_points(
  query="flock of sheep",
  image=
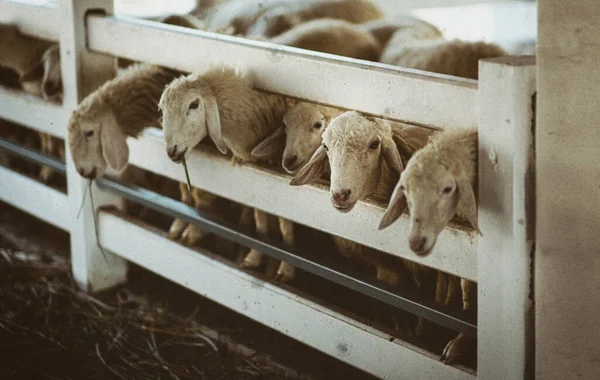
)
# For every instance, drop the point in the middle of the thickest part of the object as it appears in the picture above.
(432, 174)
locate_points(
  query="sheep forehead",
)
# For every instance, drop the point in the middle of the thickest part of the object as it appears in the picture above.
(426, 173)
(301, 115)
(178, 90)
(354, 130)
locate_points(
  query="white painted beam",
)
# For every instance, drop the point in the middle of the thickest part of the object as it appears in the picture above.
(304, 320)
(33, 112)
(269, 191)
(506, 218)
(384, 90)
(82, 73)
(34, 198)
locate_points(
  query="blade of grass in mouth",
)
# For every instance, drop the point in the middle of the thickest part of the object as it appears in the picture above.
(95, 220)
(187, 174)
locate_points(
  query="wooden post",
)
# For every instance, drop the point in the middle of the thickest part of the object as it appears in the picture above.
(82, 73)
(506, 217)
(567, 270)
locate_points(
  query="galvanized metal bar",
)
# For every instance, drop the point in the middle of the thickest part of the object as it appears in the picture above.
(33, 156)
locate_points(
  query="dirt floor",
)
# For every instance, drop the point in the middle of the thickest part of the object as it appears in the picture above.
(148, 329)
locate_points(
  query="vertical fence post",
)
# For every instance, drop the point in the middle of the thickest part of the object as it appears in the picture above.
(82, 73)
(506, 217)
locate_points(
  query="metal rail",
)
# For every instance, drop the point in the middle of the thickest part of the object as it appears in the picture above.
(312, 263)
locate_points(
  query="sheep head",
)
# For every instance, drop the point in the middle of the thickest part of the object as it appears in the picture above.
(48, 71)
(95, 139)
(190, 112)
(436, 184)
(299, 137)
(355, 146)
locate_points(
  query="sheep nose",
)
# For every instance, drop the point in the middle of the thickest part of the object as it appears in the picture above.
(342, 195)
(289, 162)
(417, 244)
(171, 151)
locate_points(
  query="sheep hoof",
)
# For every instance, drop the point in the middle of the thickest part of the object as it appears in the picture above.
(176, 229)
(252, 260)
(285, 273)
(191, 235)
(456, 348)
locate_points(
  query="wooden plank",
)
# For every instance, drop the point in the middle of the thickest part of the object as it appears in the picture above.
(33, 112)
(568, 191)
(269, 191)
(37, 20)
(82, 72)
(321, 328)
(384, 90)
(31, 196)
(506, 217)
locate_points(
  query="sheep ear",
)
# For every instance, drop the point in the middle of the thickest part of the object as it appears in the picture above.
(271, 146)
(313, 170)
(468, 203)
(395, 208)
(213, 122)
(114, 146)
(391, 154)
(35, 72)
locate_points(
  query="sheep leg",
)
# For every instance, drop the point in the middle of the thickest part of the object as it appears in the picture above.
(286, 272)
(462, 344)
(179, 225)
(46, 148)
(192, 233)
(246, 221)
(392, 277)
(453, 290)
(253, 258)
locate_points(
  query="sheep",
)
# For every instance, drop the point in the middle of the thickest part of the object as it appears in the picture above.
(422, 50)
(49, 70)
(384, 29)
(222, 104)
(365, 157)
(439, 182)
(122, 107)
(37, 63)
(236, 16)
(20, 53)
(282, 17)
(299, 136)
(332, 36)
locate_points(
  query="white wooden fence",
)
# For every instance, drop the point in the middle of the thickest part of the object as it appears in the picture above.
(500, 105)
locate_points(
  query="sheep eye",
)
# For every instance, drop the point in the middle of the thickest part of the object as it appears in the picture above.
(325, 146)
(447, 189)
(402, 188)
(194, 104)
(88, 133)
(318, 125)
(374, 145)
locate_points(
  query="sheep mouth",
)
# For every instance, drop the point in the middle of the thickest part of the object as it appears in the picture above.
(178, 157)
(292, 169)
(344, 208)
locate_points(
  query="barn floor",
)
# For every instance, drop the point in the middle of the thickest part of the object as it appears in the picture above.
(148, 329)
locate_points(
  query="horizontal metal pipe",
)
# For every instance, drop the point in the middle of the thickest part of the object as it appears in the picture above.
(34, 156)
